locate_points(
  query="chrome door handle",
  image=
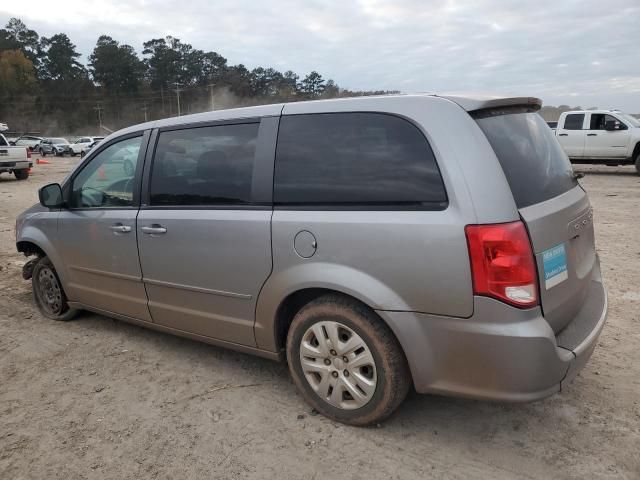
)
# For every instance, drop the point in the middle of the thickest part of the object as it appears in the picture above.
(154, 229)
(119, 228)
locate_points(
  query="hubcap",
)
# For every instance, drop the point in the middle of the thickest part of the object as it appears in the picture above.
(49, 290)
(338, 365)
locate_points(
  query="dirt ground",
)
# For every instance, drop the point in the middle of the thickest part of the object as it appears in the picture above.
(98, 398)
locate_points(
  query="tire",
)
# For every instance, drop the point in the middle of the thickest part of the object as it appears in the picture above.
(82, 154)
(42, 154)
(48, 293)
(381, 378)
(72, 153)
(637, 163)
(21, 174)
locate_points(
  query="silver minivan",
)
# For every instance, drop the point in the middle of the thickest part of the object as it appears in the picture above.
(373, 243)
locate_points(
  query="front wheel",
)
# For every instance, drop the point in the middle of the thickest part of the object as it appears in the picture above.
(82, 154)
(346, 362)
(48, 293)
(637, 162)
(42, 154)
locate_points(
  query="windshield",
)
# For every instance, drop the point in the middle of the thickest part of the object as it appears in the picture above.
(633, 121)
(57, 141)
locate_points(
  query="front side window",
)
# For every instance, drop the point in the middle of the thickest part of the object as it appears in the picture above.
(108, 180)
(574, 121)
(355, 159)
(204, 166)
(599, 121)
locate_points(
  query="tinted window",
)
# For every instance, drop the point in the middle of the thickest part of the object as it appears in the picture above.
(108, 179)
(574, 121)
(3, 142)
(535, 165)
(598, 121)
(204, 166)
(355, 158)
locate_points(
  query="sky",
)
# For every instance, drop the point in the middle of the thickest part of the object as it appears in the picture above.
(574, 52)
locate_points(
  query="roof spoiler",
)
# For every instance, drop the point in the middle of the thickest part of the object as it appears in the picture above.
(478, 104)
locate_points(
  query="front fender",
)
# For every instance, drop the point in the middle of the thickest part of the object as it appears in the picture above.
(330, 276)
(39, 227)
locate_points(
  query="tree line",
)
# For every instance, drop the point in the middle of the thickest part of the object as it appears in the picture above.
(45, 88)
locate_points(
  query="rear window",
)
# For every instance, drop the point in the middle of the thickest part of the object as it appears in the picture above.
(204, 166)
(535, 165)
(574, 121)
(355, 159)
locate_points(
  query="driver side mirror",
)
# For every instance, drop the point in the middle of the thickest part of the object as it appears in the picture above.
(51, 196)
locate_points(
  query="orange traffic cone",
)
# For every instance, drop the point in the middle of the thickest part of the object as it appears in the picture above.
(101, 175)
(42, 161)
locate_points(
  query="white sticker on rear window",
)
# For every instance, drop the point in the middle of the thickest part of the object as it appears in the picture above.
(555, 266)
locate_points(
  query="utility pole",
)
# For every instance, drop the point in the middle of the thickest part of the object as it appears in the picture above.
(144, 109)
(99, 109)
(211, 85)
(178, 95)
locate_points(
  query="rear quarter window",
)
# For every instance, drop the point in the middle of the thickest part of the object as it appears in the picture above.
(355, 159)
(535, 165)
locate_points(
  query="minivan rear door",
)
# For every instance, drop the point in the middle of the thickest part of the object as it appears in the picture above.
(204, 228)
(551, 203)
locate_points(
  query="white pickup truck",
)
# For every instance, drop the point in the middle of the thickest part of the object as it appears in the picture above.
(600, 136)
(16, 160)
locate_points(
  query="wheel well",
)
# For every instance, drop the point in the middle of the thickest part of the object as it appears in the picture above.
(291, 305)
(29, 249)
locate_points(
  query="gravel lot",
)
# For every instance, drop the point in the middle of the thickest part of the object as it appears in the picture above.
(98, 398)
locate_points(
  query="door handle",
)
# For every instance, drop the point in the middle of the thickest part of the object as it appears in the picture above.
(154, 229)
(120, 228)
(592, 134)
(563, 134)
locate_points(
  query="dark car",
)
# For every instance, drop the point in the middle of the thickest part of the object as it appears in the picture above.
(55, 146)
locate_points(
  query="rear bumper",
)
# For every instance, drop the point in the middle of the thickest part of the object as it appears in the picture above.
(11, 166)
(501, 352)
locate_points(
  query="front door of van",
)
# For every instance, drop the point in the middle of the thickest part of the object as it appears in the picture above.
(204, 238)
(97, 233)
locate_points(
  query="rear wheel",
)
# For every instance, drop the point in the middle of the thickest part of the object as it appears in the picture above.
(82, 154)
(21, 174)
(48, 293)
(637, 162)
(346, 362)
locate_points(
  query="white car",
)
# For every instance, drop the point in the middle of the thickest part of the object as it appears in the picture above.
(600, 136)
(81, 143)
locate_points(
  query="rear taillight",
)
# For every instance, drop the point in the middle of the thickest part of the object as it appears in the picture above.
(502, 263)
(28, 153)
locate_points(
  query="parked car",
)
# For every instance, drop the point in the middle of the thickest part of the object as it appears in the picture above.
(607, 137)
(16, 160)
(81, 143)
(29, 141)
(85, 148)
(442, 242)
(55, 146)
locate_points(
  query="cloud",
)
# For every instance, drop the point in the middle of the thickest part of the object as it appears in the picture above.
(548, 48)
